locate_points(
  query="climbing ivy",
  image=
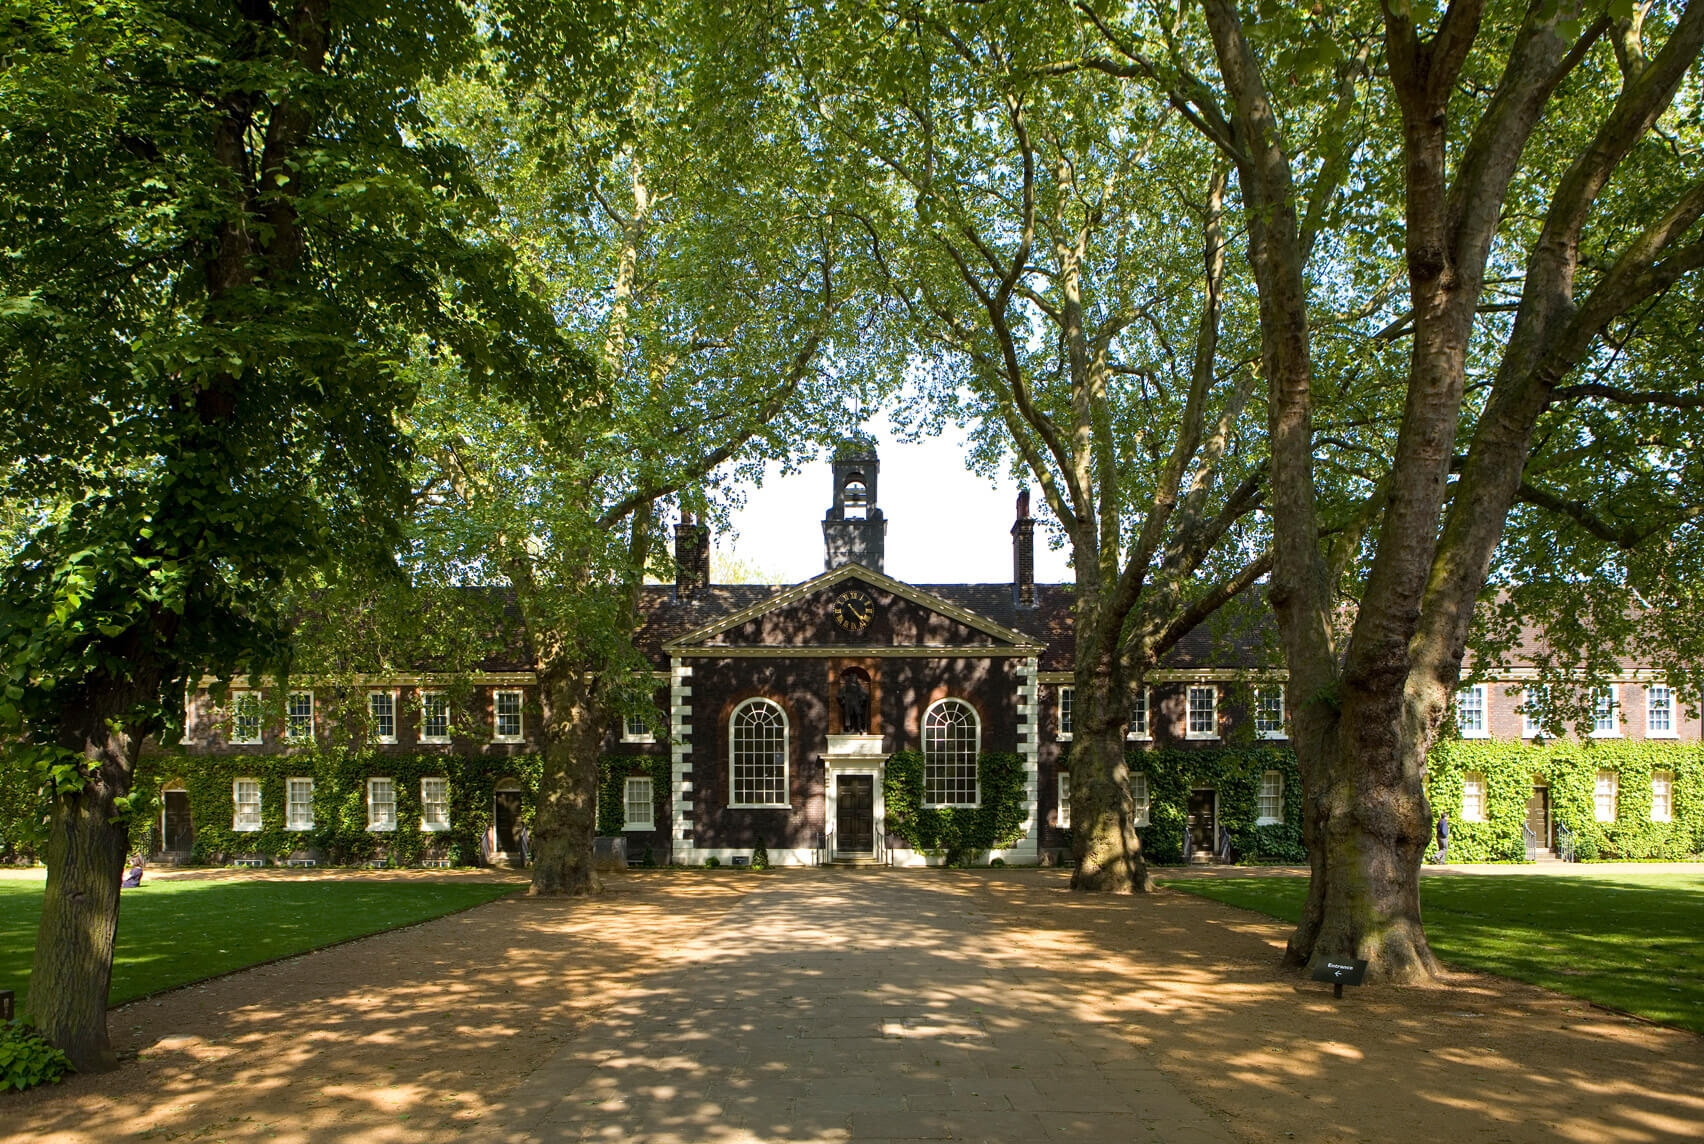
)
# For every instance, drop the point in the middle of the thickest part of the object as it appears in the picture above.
(339, 835)
(1234, 773)
(613, 773)
(1570, 767)
(958, 832)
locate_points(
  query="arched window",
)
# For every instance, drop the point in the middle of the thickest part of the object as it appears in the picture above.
(952, 738)
(757, 755)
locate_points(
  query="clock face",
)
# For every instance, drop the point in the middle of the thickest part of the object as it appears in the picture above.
(854, 610)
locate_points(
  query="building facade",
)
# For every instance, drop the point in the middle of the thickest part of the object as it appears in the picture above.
(783, 713)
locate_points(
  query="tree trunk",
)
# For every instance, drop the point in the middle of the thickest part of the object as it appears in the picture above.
(1366, 825)
(1103, 816)
(565, 821)
(72, 970)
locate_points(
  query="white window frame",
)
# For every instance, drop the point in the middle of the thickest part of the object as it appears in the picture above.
(628, 802)
(1531, 727)
(427, 698)
(395, 702)
(634, 729)
(291, 734)
(241, 823)
(1261, 817)
(520, 732)
(975, 754)
(1474, 796)
(1671, 731)
(1144, 734)
(1259, 695)
(1064, 815)
(1467, 698)
(238, 700)
(426, 824)
(292, 821)
(383, 825)
(1189, 731)
(1613, 716)
(1606, 788)
(786, 755)
(1140, 797)
(1066, 714)
(1662, 796)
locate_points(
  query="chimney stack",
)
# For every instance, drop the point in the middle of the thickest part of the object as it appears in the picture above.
(1023, 554)
(692, 558)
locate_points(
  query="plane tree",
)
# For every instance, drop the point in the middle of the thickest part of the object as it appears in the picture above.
(1059, 251)
(1547, 186)
(685, 236)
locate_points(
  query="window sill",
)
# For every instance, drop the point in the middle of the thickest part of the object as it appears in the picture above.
(435, 828)
(1474, 734)
(760, 806)
(299, 828)
(1064, 736)
(508, 738)
(1662, 821)
(1606, 735)
(1133, 738)
(1465, 818)
(236, 829)
(435, 741)
(245, 742)
(1269, 822)
(1200, 737)
(1662, 734)
(638, 826)
(638, 738)
(385, 740)
(957, 806)
(380, 828)
(1271, 736)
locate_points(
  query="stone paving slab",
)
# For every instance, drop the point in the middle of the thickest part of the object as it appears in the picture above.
(848, 1009)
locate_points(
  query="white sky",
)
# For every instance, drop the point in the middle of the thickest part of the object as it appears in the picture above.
(945, 525)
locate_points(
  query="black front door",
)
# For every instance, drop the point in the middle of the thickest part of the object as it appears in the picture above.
(1201, 821)
(1538, 815)
(855, 814)
(508, 815)
(180, 830)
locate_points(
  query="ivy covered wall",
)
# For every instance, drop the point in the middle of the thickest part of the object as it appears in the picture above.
(340, 834)
(1235, 774)
(1570, 769)
(960, 833)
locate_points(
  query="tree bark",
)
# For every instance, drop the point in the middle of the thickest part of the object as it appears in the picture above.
(1104, 844)
(565, 820)
(71, 972)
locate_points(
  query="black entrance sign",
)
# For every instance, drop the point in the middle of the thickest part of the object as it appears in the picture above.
(1340, 971)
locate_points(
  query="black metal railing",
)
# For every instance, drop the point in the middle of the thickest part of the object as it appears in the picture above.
(1224, 852)
(1564, 843)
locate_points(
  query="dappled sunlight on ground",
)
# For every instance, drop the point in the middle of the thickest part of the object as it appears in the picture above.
(808, 1005)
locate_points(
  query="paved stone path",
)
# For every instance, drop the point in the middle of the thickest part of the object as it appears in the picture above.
(850, 1006)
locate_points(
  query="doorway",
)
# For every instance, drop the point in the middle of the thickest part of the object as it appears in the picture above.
(506, 819)
(1202, 820)
(1538, 815)
(855, 814)
(177, 828)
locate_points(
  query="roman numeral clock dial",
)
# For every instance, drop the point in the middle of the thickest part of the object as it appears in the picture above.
(854, 610)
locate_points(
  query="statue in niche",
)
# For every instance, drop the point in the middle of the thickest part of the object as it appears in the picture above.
(854, 704)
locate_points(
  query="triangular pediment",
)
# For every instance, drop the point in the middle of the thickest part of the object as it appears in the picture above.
(902, 619)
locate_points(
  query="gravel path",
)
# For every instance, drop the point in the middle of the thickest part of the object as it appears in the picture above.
(809, 1005)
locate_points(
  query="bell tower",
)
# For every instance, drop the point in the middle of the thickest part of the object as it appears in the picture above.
(853, 530)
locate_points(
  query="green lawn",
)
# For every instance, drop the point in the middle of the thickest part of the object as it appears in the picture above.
(1631, 941)
(173, 933)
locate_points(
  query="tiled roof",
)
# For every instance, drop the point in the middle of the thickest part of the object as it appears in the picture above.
(1221, 645)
